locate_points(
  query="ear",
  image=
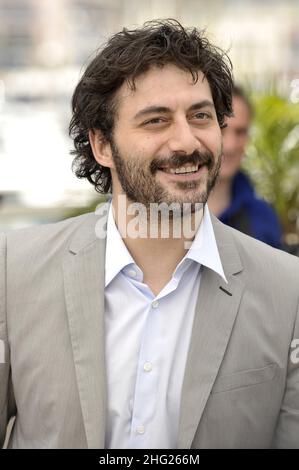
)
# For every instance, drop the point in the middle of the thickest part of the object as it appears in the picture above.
(101, 149)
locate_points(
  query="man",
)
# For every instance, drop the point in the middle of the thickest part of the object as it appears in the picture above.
(117, 336)
(233, 199)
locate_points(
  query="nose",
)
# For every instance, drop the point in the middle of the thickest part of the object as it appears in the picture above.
(182, 138)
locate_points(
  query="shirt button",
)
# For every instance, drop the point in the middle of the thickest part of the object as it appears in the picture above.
(140, 429)
(132, 273)
(147, 366)
(155, 304)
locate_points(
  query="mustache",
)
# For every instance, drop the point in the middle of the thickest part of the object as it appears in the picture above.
(180, 159)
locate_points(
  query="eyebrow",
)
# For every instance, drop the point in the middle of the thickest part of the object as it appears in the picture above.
(165, 109)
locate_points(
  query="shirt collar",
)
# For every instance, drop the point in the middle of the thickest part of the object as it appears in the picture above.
(203, 249)
(117, 254)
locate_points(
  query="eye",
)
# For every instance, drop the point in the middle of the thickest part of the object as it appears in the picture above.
(156, 120)
(202, 115)
(241, 132)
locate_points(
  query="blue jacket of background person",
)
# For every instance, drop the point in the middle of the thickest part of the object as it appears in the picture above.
(250, 214)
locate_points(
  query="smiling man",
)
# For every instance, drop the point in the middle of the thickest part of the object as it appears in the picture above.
(117, 337)
(166, 144)
(165, 148)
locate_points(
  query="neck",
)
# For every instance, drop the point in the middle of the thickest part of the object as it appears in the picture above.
(157, 243)
(220, 197)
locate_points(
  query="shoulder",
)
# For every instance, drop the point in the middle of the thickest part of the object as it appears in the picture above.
(258, 258)
(269, 278)
(263, 209)
(47, 238)
(259, 207)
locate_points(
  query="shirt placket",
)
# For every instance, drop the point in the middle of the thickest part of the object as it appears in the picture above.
(147, 377)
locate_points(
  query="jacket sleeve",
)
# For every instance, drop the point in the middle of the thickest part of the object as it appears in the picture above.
(7, 407)
(287, 430)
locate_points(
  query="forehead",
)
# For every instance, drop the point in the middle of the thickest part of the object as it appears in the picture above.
(167, 86)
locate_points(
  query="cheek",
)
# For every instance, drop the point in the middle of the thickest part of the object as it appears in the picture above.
(213, 142)
(139, 147)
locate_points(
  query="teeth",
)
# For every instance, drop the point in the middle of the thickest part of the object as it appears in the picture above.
(182, 169)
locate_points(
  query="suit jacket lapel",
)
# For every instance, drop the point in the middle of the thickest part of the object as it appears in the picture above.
(83, 267)
(213, 323)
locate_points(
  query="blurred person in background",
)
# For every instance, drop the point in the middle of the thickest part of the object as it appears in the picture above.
(233, 199)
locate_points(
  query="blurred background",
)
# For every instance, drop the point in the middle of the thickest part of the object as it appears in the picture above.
(44, 47)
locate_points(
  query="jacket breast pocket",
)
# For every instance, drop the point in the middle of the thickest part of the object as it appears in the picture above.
(244, 378)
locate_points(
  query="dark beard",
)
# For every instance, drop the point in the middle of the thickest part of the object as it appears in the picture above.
(140, 186)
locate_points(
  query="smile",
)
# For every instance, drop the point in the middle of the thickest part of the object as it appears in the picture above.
(184, 172)
(181, 170)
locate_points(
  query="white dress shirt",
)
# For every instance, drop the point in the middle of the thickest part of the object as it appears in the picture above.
(147, 340)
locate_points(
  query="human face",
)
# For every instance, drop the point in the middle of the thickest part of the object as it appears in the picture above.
(235, 139)
(166, 123)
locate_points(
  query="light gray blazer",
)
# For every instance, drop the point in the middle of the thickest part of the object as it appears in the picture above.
(240, 390)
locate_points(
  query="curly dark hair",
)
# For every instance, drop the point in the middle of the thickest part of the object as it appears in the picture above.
(124, 57)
